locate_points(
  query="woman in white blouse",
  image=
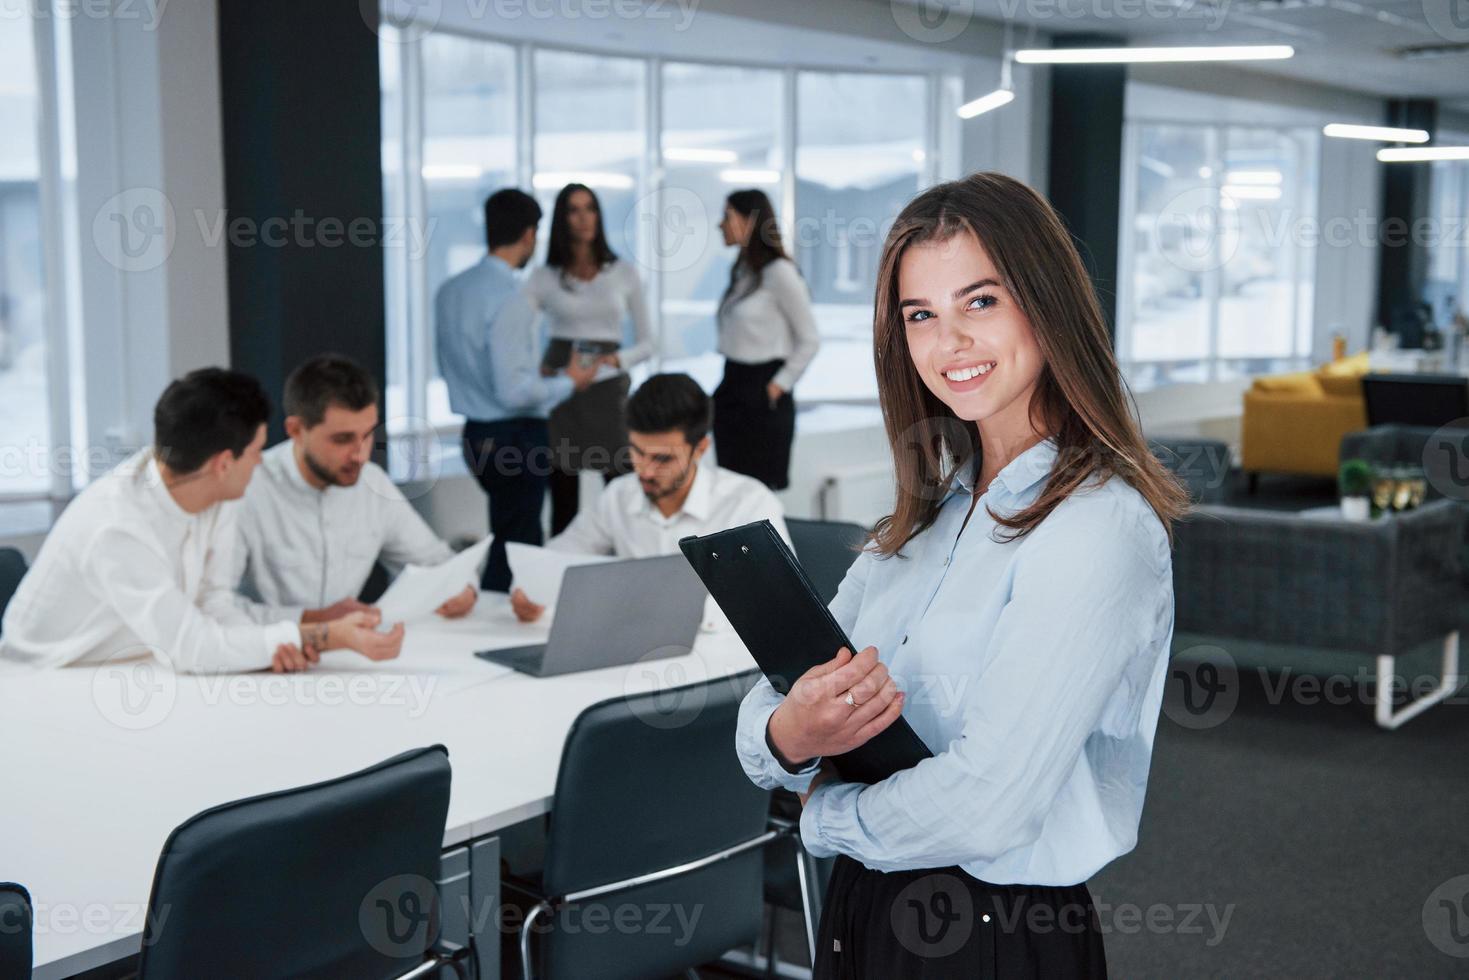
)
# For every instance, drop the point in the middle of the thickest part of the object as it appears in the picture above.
(587, 294)
(1016, 609)
(768, 337)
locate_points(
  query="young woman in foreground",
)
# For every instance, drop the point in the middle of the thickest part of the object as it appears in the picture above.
(1016, 608)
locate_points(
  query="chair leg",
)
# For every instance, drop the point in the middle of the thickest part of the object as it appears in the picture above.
(772, 914)
(1252, 482)
(525, 929)
(808, 906)
(1447, 685)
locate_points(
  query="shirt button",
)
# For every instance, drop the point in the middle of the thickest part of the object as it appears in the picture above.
(985, 917)
(946, 559)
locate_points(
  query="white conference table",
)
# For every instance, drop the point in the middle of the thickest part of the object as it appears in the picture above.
(103, 762)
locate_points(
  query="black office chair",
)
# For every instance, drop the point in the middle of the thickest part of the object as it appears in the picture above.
(1415, 399)
(652, 812)
(330, 880)
(826, 549)
(15, 932)
(12, 570)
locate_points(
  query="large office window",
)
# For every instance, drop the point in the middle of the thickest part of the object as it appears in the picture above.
(1447, 288)
(1216, 277)
(24, 414)
(589, 129)
(861, 150)
(858, 149)
(721, 132)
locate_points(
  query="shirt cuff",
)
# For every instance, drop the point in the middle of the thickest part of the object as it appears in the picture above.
(786, 379)
(757, 747)
(278, 633)
(830, 817)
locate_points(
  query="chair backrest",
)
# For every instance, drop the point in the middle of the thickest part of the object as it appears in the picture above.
(1415, 399)
(15, 931)
(647, 783)
(329, 880)
(1443, 453)
(826, 549)
(12, 570)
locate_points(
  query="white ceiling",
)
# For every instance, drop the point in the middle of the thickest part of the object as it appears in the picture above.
(1342, 43)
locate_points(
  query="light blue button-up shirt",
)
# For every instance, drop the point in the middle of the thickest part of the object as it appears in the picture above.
(489, 351)
(1034, 671)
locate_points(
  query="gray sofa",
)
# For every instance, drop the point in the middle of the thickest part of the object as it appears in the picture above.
(1368, 591)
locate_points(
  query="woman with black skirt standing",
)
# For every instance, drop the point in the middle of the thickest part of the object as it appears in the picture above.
(767, 336)
(587, 294)
(1016, 609)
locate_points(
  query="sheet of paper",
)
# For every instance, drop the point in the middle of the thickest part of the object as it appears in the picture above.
(539, 570)
(419, 590)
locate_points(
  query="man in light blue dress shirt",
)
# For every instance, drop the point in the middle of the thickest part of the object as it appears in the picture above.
(490, 360)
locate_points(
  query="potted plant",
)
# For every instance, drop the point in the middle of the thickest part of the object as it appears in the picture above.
(1354, 481)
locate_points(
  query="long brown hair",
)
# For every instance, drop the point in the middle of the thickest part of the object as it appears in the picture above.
(764, 246)
(1079, 397)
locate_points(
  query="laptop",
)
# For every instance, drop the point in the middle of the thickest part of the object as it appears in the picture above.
(610, 614)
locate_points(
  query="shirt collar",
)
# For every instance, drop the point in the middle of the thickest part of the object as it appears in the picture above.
(284, 458)
(1018, 476)
(696, 505)
(152, 477)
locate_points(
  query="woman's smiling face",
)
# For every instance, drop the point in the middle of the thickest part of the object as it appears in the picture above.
(969, 340)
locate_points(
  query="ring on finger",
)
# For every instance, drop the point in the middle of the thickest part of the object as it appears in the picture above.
(852, 701)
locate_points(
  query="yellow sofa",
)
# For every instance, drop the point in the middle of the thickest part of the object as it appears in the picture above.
(1293, 423)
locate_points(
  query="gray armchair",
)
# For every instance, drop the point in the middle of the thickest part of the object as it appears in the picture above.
(1201, 464)
(1372, 589)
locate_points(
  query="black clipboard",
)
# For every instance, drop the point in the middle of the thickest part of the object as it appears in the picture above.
(763, 590)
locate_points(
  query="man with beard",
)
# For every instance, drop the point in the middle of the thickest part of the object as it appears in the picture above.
(669, 495)
(320, 514)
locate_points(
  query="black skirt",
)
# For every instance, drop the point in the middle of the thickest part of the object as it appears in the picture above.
(944, 923)
(750, 435)
(588, 431)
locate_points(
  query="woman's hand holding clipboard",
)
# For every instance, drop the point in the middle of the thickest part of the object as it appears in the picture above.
(838, 700)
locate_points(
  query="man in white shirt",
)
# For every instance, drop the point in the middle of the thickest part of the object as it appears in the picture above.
(320, 514)
(670, 494)
(139, 562)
